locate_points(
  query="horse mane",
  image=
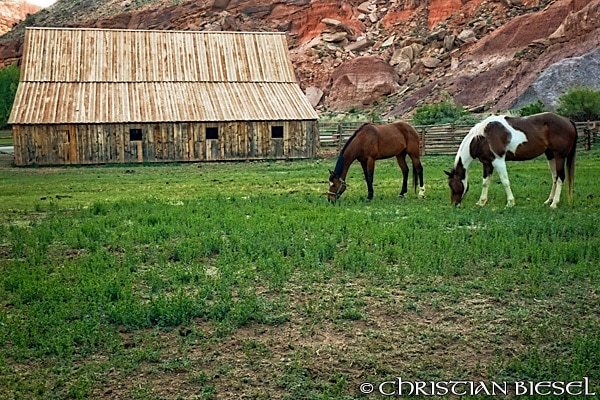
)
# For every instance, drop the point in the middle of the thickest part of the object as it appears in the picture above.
(339, 166)
(352, 137)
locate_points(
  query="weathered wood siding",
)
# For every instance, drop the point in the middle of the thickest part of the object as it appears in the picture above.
(88, 103)
(82, 90)
(113, 55)
(161, 142)
(99, 76)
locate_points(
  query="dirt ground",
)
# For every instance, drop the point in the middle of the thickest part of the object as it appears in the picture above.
(310, 354)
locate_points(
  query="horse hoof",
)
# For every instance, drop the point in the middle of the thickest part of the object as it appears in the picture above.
(400, 196)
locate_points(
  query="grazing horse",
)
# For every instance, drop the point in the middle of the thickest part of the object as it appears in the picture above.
(501, 138)
(375, 142)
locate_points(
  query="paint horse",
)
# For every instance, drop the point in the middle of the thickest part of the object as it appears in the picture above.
(498, 139)
(375, 142)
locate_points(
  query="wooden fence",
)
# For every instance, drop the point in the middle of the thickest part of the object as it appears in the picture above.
(440, 139)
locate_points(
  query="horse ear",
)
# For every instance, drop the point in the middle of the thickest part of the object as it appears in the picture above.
(331, 173)
(448, 173)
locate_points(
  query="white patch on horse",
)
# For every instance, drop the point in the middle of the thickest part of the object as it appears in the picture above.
(517, 137)
(464, 152)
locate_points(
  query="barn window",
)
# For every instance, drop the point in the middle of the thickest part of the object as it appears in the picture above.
(212, 133)
(135, 134)
(277, 132)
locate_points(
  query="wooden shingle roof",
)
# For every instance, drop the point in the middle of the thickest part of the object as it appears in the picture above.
(117, 76)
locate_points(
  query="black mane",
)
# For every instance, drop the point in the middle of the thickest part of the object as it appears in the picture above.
(339, 166)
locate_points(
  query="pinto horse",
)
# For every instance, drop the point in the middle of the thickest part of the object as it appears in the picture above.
(501, 138)
(375, 142)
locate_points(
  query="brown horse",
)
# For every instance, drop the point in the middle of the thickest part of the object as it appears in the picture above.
(500, 138)
(375, 142)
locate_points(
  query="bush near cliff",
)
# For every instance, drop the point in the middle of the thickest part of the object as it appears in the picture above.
(445, 112)
(580, 104)
(532, 108)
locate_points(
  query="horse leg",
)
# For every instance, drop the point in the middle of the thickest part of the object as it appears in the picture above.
(488, 170)
(418, 174)
(368, 167)
(560, 178)
(500, 165)
(552, 166)
(401, 158)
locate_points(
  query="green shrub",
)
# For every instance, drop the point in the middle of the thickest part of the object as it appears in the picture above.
(580, 104)
(9, 81)
(442, 113)
(533, 108)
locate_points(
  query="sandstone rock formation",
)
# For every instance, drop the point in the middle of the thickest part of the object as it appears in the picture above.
(569, 73)
(314, 95)
(361, 81)
(484, 53)
(503, 63)
(13, 11)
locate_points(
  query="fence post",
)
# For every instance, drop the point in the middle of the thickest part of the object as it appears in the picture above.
(340, 131)
(587, 138)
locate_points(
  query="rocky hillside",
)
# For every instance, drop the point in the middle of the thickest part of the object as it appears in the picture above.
(487, 54)
(13, 11)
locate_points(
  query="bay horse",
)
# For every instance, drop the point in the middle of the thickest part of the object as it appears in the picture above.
(375, 142)
(501, 138)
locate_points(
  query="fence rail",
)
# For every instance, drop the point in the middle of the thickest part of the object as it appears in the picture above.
(440, 139)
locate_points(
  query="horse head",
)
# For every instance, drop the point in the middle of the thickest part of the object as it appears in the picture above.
(337, 186)
(459, 186)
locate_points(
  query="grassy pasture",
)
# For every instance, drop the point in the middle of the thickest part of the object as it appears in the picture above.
(238, 280)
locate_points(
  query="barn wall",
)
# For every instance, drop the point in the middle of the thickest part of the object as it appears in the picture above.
(161, 142)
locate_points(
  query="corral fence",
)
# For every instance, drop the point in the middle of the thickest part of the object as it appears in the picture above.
(439, 139)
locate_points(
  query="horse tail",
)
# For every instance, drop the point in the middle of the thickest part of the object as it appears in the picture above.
(571, 165)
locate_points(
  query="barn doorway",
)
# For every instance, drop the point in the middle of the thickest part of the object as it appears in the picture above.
(277, 143)
(212, 143)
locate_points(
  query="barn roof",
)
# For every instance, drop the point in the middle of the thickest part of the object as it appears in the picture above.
(118, 76)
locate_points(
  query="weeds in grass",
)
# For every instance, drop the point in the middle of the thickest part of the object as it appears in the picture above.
(112, 269)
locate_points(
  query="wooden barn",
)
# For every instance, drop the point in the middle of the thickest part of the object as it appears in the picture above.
(93, 96)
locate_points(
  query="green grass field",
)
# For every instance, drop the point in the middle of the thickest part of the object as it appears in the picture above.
(238, 280)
